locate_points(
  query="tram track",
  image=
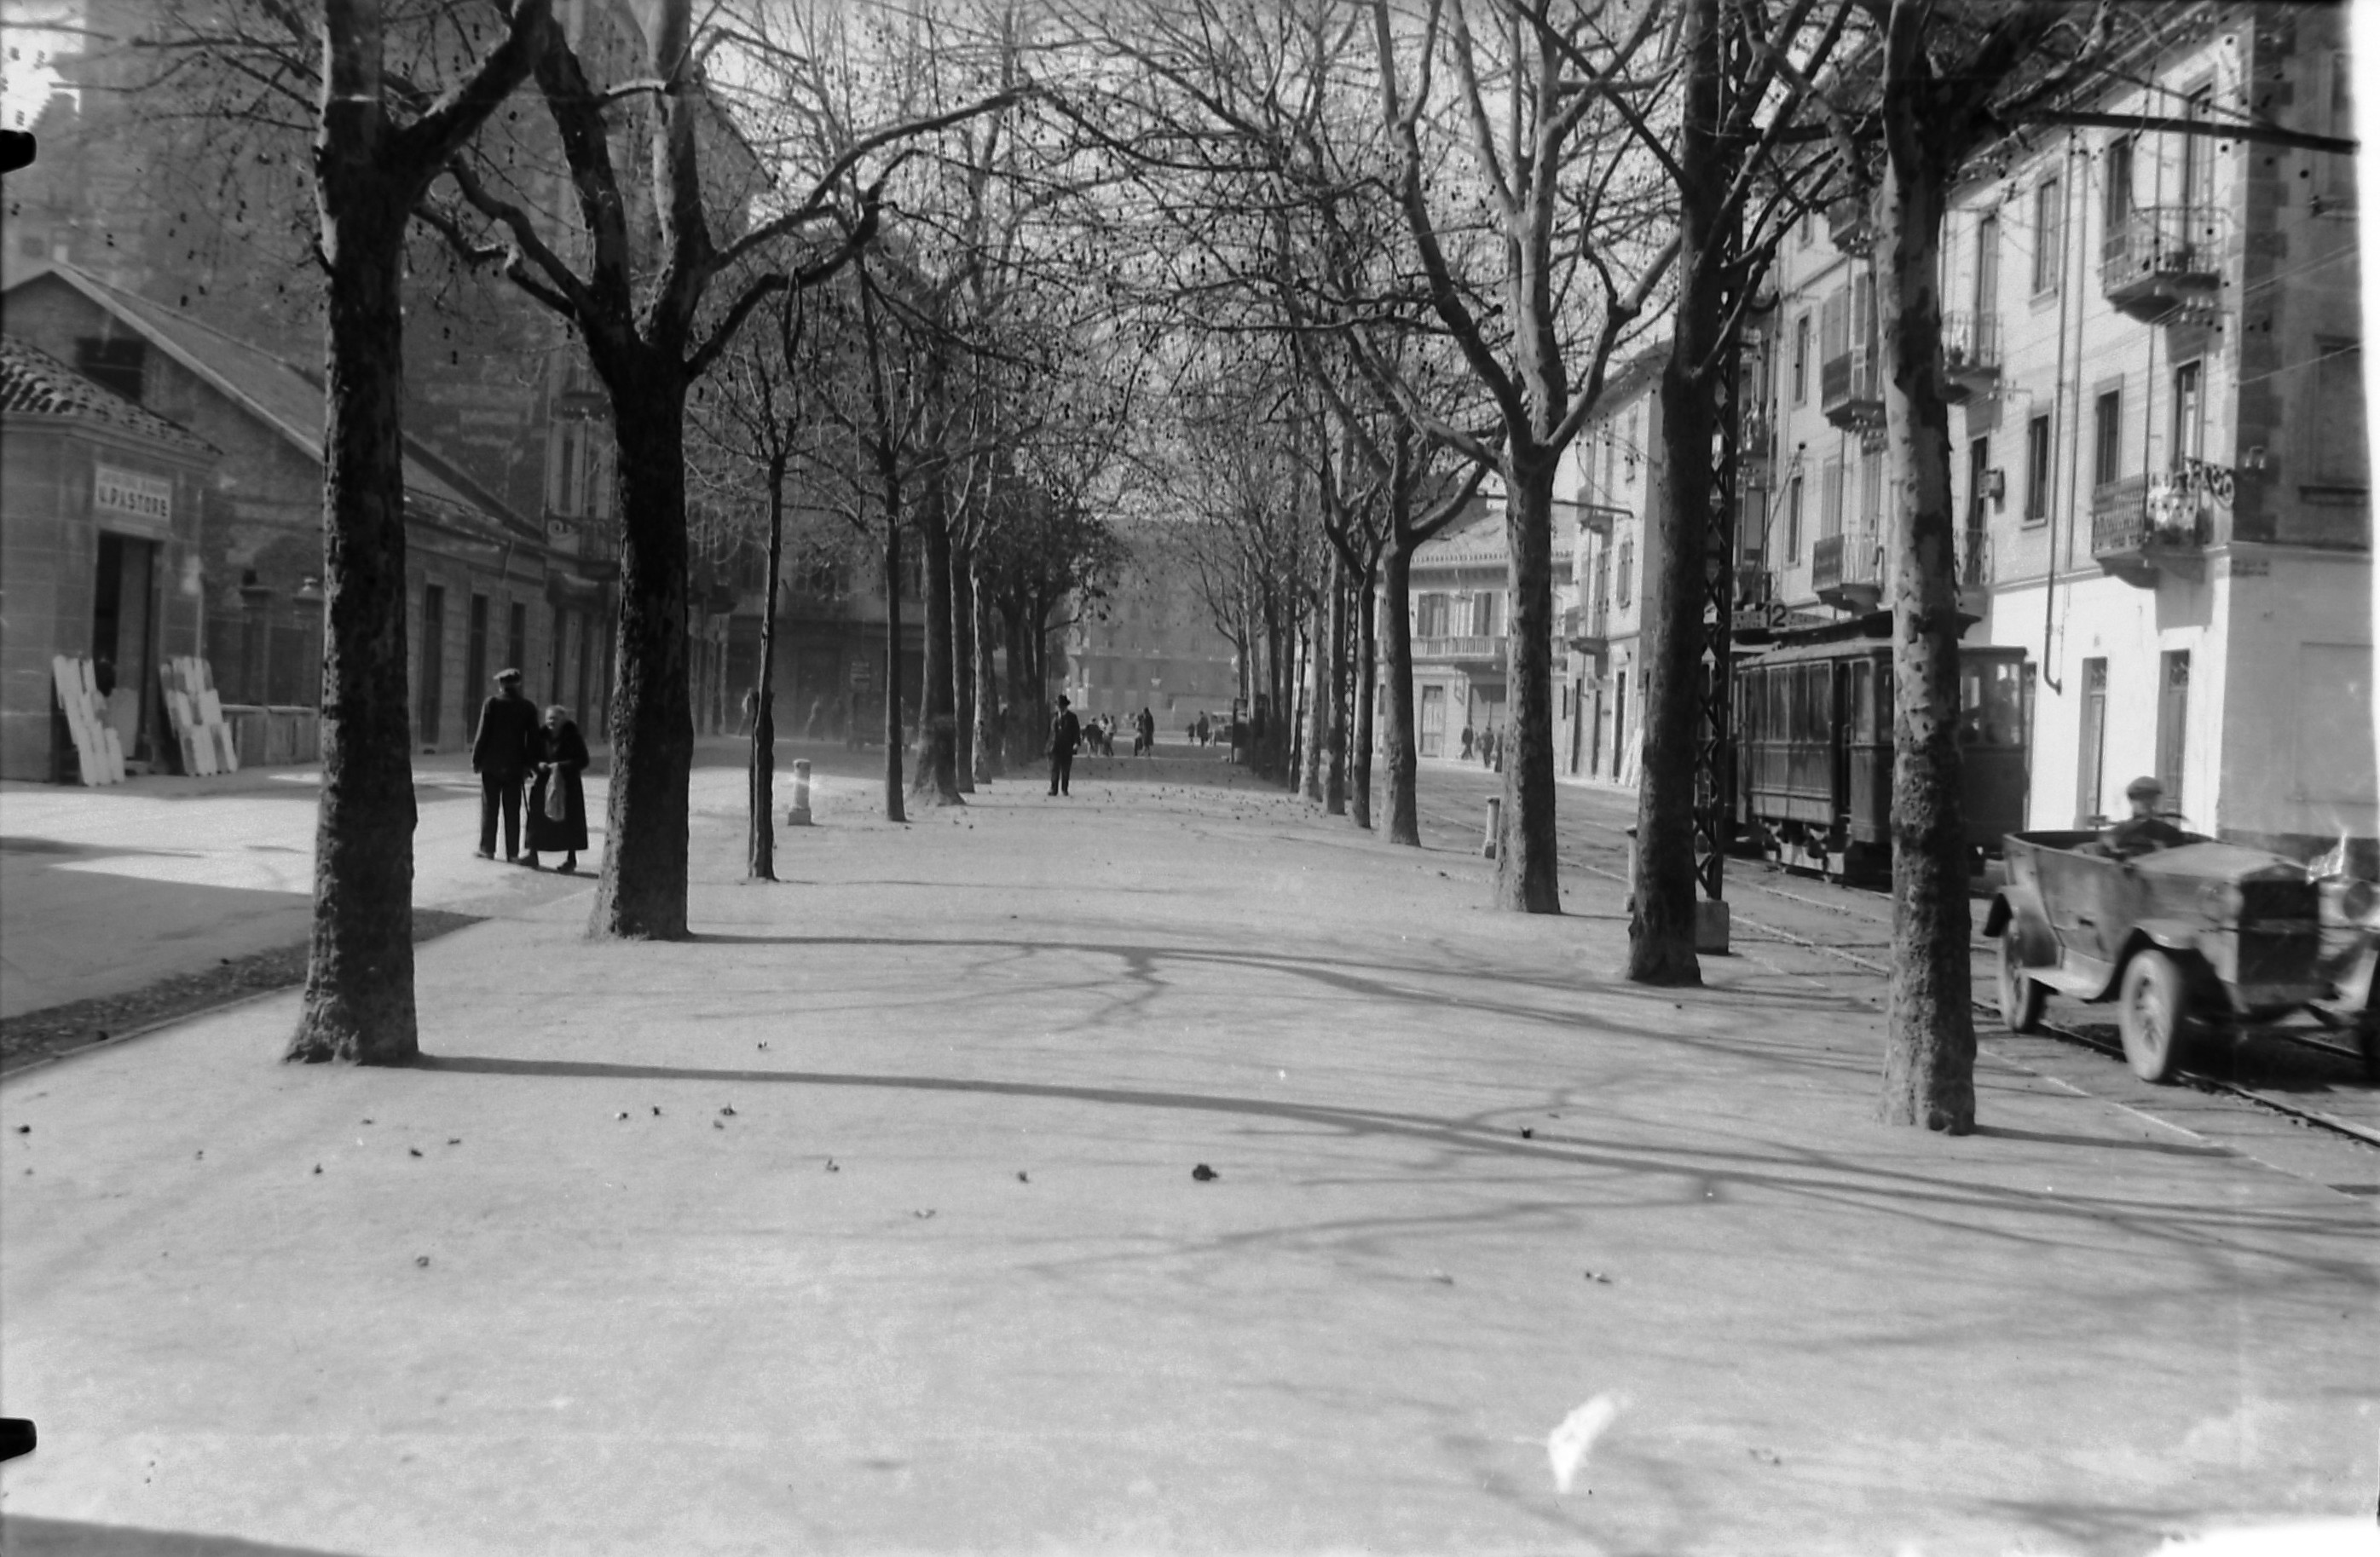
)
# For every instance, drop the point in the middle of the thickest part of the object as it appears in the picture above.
(1575, 859)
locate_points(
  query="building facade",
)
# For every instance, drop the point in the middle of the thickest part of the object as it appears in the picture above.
(2152, 342)
(100, 505)
(481, 586)
(1461, 616)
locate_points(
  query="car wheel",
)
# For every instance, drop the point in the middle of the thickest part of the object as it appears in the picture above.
(2022, 998)
(2153, 1011)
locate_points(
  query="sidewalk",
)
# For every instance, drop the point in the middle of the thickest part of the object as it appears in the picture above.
(865, 1221)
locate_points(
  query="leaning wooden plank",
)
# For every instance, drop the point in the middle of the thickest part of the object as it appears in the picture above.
(66, 676)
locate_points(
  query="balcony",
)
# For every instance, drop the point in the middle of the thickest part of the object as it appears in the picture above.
(1469, 652)
(2162, 262)
(1850, 392)
(1847, 571)
(2143, 526)
(1851, 223)
(1971, 355)
(1597, 517)
(1587, 630)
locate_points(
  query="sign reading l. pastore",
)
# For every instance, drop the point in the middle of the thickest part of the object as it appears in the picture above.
(126, 492)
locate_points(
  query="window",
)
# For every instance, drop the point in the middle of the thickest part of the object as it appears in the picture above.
(2189, 418)
(1793, 520)
(2093, 751)
(1988, 267)
(516, 638)
(2340, 456)
(559, 658)
(2107, 439)
(115, 364)
(2195, 151)
(2037, 472)
(433, 659)
(1872, 492)
(475, 653)
(2333, 172)
(1830, 500)
(2116, 183)
(2049, 235)
(1801, 360)
(1627, 571)
(2173, 725)
(1433, 616)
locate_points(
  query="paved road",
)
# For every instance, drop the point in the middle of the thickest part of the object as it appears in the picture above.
(1816, 935)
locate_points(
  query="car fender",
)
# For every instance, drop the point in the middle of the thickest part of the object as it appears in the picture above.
(2176, 935)
(2019, 904)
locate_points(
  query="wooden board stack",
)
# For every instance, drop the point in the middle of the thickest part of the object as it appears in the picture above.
(197, 716)
(99, 755)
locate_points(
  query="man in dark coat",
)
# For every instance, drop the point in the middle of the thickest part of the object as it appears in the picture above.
(501, 754)
(1065, 734)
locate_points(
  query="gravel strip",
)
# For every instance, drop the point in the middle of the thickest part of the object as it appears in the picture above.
(31, 1037)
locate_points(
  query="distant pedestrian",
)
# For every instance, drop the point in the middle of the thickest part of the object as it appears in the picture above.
(1206, 731)
(557, 801)
(751, 709)
(1467, 738)
(504, 750)
(818, 717)
(1146, 744)
(1065, 734)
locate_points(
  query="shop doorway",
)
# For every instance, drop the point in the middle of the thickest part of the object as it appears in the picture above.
(122, 628)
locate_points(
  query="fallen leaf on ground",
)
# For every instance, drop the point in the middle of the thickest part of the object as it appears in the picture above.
(1202, 1173)
(1021, 1178)
(729, 1110)
(1598, 1276)
(421, 1260)
(413, 1151)
(1567, 1445)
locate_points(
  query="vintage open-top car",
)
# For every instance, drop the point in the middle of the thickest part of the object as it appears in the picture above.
(2189, 940)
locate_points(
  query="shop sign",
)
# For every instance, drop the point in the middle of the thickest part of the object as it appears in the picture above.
(131, 495)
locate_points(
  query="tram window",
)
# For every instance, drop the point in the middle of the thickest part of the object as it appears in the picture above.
(1991, 703)
(1863, 702)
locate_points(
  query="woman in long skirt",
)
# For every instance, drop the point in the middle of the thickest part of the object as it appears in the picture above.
(557, 802)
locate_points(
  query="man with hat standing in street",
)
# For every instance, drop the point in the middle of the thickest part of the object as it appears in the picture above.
(1065, 734)
(503, 752)
(2144, 831)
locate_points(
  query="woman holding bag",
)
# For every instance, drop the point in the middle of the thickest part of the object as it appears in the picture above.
(558, 804)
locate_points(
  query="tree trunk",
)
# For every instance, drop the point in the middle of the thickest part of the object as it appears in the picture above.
(989, 759)
(1334, 702)
(641, 892)
(1396, 624)
(359, 1003)
(1930, 1033)
(1527, 878)
(893, 731)
(1368, 664)
(938, 767)
(761, 861)
(1313, 691)
(963, 656)
(1661, 912)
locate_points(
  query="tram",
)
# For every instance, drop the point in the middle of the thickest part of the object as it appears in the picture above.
(1813, 748)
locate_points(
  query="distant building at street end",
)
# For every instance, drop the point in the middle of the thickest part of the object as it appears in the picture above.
(1461, 617)
(100, 505)
(1149, 644)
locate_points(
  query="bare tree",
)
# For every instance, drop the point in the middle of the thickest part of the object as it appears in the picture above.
(1562, 198)
(641, 308)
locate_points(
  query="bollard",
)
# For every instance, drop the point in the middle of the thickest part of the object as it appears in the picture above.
(1495, 814)
(799, 816)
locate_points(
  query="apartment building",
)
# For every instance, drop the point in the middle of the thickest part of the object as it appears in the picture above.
(2154, 347)
(1461, 616)
(1613, 468)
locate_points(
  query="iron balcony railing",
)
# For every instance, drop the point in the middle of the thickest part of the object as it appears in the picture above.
(1470, 647)
(1851, 559)
(1971, 342)
(2159, 241)
(2140, 514)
